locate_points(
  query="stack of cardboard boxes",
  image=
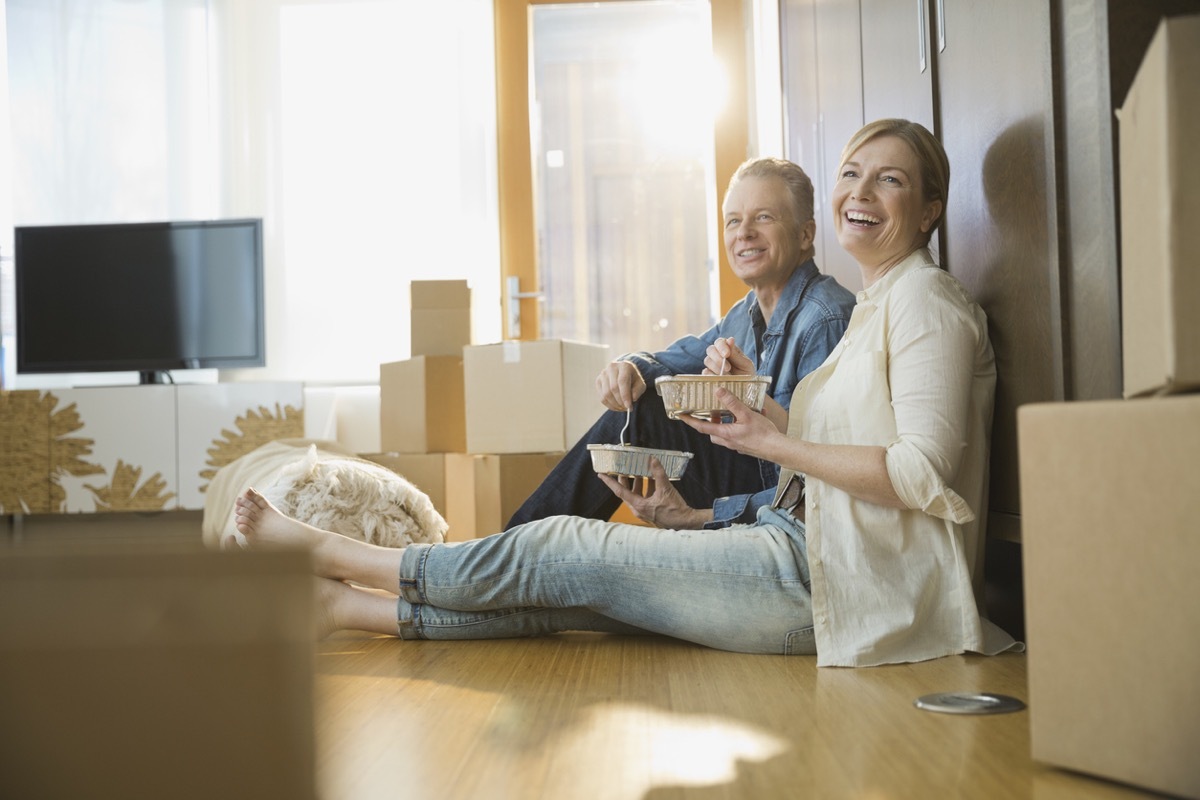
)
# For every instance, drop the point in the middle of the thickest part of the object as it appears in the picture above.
(477, 427)
(1110, 490)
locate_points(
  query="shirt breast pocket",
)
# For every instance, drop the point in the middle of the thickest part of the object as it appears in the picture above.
(855, 404)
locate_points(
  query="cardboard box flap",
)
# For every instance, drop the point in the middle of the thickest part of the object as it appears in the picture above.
(1160, 242)
(441, 294)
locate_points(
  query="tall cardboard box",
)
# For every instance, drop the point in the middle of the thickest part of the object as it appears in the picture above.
(1110, 497)
(421, 405)
(484, 491)
(426, 471)
(1160, 204)
(531, 397)
(441, 317)
(146, 669)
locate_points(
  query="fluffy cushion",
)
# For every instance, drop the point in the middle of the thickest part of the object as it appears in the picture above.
(325, 486)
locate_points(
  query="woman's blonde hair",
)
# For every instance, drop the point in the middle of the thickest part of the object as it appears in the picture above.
(935, 166)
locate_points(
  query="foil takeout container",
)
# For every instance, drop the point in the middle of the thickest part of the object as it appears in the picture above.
(696, 394)
(629, 461)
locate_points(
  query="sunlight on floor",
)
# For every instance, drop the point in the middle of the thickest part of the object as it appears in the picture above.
(644, 747)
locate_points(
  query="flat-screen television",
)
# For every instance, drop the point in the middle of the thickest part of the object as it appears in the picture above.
(148, 297)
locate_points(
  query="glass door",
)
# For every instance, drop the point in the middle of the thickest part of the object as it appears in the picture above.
(621, 135)
(609, 175)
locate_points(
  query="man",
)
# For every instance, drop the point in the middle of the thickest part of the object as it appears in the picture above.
(786, 325)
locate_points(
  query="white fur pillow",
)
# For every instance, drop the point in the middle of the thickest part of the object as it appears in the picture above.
(332, 491)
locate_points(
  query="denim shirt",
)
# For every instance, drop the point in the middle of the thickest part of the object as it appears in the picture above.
(809, 320)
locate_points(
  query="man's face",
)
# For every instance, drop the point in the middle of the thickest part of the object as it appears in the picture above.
(763, 240)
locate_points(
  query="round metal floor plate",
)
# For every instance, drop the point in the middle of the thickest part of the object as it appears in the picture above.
(969, 703)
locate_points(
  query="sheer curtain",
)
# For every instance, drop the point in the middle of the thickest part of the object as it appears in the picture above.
(366, 143)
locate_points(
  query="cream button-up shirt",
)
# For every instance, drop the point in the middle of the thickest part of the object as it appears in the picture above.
(914, 373)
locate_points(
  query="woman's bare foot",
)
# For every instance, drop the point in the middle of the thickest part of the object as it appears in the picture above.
(327, 593)
(341, 606)
(334, 555)
(264, 525)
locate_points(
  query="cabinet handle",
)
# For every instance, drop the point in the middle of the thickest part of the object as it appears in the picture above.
(822, 174)
(922, 44)
(941, 22)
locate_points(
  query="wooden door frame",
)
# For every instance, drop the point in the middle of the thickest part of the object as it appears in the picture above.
(518, 227)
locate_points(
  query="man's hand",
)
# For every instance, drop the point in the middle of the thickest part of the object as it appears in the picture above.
(656, 501)
(620, 385)
(723, 357)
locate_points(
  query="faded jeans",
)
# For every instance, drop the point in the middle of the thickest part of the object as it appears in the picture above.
(744, 588)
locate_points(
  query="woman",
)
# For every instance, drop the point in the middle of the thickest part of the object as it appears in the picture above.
(874, 566)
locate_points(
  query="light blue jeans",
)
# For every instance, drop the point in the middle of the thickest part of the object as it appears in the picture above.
(743, 588)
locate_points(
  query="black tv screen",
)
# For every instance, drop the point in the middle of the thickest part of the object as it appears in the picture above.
(150, 297)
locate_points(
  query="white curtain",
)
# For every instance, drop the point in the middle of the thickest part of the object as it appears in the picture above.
(363, 133)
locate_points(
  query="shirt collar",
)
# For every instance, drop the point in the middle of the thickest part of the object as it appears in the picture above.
(788, 300)
(917, 259)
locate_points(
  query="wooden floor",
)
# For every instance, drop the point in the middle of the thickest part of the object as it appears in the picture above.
(599, 717)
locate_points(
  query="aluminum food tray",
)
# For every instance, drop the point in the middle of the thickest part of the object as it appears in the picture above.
(695, 394)
(629, 461)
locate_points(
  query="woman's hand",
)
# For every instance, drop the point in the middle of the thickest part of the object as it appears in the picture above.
(724, 358)
(659, 503)
(619, 386)
(750, 432)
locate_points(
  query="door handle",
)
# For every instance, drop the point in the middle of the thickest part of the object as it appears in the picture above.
(941, 23)
(513, 297)
(922, 37)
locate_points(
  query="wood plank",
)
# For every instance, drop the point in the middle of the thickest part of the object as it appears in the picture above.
(594, 716)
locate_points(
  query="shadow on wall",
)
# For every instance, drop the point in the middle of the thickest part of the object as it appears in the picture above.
(1021, 298)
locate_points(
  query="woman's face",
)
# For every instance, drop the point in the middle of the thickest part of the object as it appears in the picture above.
(879, 206)
(763, 240)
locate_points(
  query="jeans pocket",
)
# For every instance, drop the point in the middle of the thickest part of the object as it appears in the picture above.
(800, 643)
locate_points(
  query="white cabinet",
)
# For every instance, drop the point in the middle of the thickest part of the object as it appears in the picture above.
(219, 422)
(121, 457)
(133, 448)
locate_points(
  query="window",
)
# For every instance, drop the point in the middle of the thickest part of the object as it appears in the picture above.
(366, 144)
(622, 153)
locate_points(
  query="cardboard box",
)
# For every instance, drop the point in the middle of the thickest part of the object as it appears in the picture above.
(1110, 494)
(421, 406)
(426, 471)
(531, 397)
(484, 491)
(148, 670)
(441, 317)
(1160, 240)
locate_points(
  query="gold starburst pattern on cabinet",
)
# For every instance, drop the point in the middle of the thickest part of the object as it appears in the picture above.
(38, 449)
(256, 429)
(123, 493)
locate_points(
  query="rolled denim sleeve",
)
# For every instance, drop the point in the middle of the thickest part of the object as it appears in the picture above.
(685, 356)
(738, 508)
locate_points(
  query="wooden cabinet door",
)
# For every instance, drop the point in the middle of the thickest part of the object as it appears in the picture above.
(899, 56)
(823, 54)
(995, 96)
